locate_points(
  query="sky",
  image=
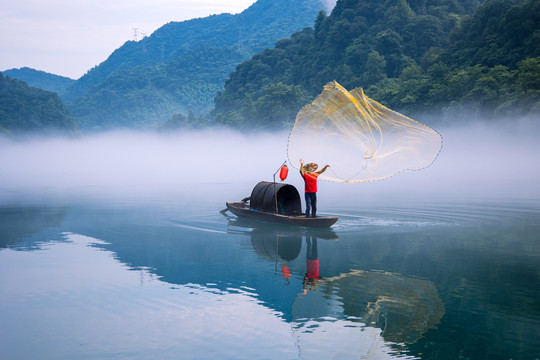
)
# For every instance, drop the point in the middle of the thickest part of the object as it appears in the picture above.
(69, 37)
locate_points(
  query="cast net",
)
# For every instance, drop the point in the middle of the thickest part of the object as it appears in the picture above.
(359, 138)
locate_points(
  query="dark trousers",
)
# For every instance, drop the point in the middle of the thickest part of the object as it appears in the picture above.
(311, 204)
(312, 253)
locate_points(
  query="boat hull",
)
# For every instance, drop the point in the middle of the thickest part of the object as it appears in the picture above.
(241, 209)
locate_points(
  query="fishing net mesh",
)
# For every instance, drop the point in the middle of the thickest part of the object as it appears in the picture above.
(359, 138)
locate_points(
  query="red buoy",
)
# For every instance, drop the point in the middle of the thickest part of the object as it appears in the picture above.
(283, 173)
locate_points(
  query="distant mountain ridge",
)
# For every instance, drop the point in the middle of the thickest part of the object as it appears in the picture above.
(452, 58)
(41, 79)
(143, 83)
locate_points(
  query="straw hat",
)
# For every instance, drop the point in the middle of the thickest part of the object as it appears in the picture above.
(308, 165)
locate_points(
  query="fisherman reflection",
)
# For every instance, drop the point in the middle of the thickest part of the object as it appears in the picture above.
(312, 277)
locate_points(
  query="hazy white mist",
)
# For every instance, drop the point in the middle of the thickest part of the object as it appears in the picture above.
(475, 161)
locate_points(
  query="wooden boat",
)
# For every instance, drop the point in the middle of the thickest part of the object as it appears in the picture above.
(266, 197)
(240, 208)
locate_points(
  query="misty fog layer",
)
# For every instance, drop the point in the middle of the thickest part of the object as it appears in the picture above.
(475, 161)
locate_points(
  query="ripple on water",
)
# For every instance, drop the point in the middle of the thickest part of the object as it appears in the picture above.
(421, 215)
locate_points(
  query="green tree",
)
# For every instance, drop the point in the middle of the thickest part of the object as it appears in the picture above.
(389, 44)
(375, 69)
(399, 15)
(529, 75)
(528, 84)
(277, 105)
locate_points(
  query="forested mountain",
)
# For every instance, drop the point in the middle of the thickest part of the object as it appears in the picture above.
(26, 109)
(447, 57)
(501, 32)
(41, 79)
(181, 66)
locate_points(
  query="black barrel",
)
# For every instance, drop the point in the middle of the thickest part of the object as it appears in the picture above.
(288, 198)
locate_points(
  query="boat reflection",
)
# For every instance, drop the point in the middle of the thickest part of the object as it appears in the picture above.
(402, 308)
(261, 229)
(283, 244)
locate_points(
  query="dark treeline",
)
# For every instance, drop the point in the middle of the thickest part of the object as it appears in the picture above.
(24, 108)
(450, 57)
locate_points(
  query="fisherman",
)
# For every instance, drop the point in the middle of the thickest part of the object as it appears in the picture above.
(310, 179)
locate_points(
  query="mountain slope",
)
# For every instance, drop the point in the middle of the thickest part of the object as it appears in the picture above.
(28, 109)
(359, 44)
(414, 56)
(181, 66)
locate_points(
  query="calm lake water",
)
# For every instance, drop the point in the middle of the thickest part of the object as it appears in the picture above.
(161, 280)
(426, 265)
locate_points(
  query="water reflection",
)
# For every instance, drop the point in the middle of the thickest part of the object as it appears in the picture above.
(383, 305)
(312, 277)
(403, 308)
(336, 292)
(260, 229)
(18, 222)
(283, 243)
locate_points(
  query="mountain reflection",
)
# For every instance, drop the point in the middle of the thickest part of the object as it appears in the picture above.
(18, 222)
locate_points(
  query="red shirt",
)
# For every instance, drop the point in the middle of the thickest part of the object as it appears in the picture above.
(310, 179)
